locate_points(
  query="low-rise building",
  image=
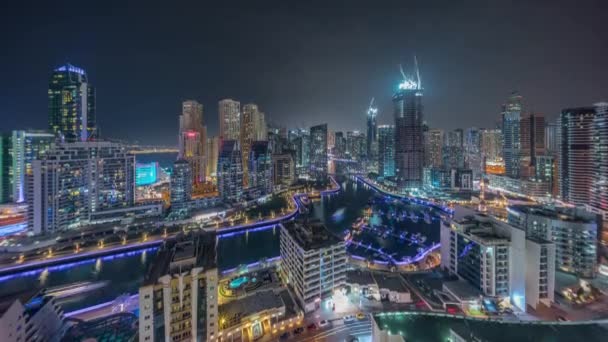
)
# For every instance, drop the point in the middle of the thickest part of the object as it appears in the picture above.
(392, 288)
(313, 261)
(251, 313)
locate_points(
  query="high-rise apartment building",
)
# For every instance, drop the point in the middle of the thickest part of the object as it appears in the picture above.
(213, 149)
(491, 145)
(313, 261)
(551, 137)
(230, 171)
(511, 132)
(6, 163)
(253, 128)
(433, 144)
(193, 139)
(340, 145)
(283, 169)
(497, 259)
(472, 151)
(318, 152)
(181, 187)
(72, 183)
(26, 147)
(386, 151)
(372, 133)
(178, 300)
(532, 136)
(230, 119)
(409, 144)
(575, 156)
(72, 105)
(191, 150)
(356, 145)
(572, 230)
(260, 167)
(599, 186)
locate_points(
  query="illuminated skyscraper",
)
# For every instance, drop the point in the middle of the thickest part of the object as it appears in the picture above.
(191, 150)
(260, 167)
(599, 188)
(26, 147)
(318, 152)
(72, 184)
(491, 145)
(575, 157)
(253, 128)
(372, 134)
(230, 119)
(72, 104)
(409, 144)
(511, 127)
(433, 141)
(192, 139)
(386, 151)
(532, 136)
(6, 161)
(355, 145)
(230, 171)
(213, 149)
(472, 147)
(181, 187)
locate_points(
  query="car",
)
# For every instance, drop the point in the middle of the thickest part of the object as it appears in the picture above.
(298, 331)
(284, 335)
(360, 315)
(311, 326)
(348, 318)
(323, 323)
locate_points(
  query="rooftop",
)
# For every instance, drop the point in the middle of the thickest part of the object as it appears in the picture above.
(557, 213)
(461, 289)
(310, 234)
(251, 305)
(174, 254)
(359, 277)
(391, 283)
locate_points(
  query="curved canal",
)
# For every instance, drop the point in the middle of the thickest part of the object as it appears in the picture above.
(103, 279)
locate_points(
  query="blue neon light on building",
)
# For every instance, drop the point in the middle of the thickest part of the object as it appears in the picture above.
(146, 174)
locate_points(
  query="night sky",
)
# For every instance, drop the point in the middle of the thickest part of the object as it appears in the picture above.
(302, 64)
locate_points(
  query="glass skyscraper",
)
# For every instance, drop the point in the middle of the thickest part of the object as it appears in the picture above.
(409, 144)
(72, 105)
(26, 147)
(386, 151)
(181, 187)
(511, 118)
(260, 167)
(318, 152)
(230, 171)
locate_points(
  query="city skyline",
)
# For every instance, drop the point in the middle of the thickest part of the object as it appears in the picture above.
(341, 82)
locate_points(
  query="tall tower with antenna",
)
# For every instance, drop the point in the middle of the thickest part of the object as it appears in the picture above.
(409, 145)
(372, 127)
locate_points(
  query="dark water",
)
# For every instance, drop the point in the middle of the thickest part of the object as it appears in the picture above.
(125, 273)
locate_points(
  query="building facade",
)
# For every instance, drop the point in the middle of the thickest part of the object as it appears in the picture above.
(181, 187)
(283, 169)
(260, 167)
(386, 151)
(230, 119)
(26, 146)
(230, 171)
(318, 152)
(73, 182)
(511, 134)
(575, 160)
(313, 261)
(71, 105)
(179, 298)
(573, 232)
(409, 144)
